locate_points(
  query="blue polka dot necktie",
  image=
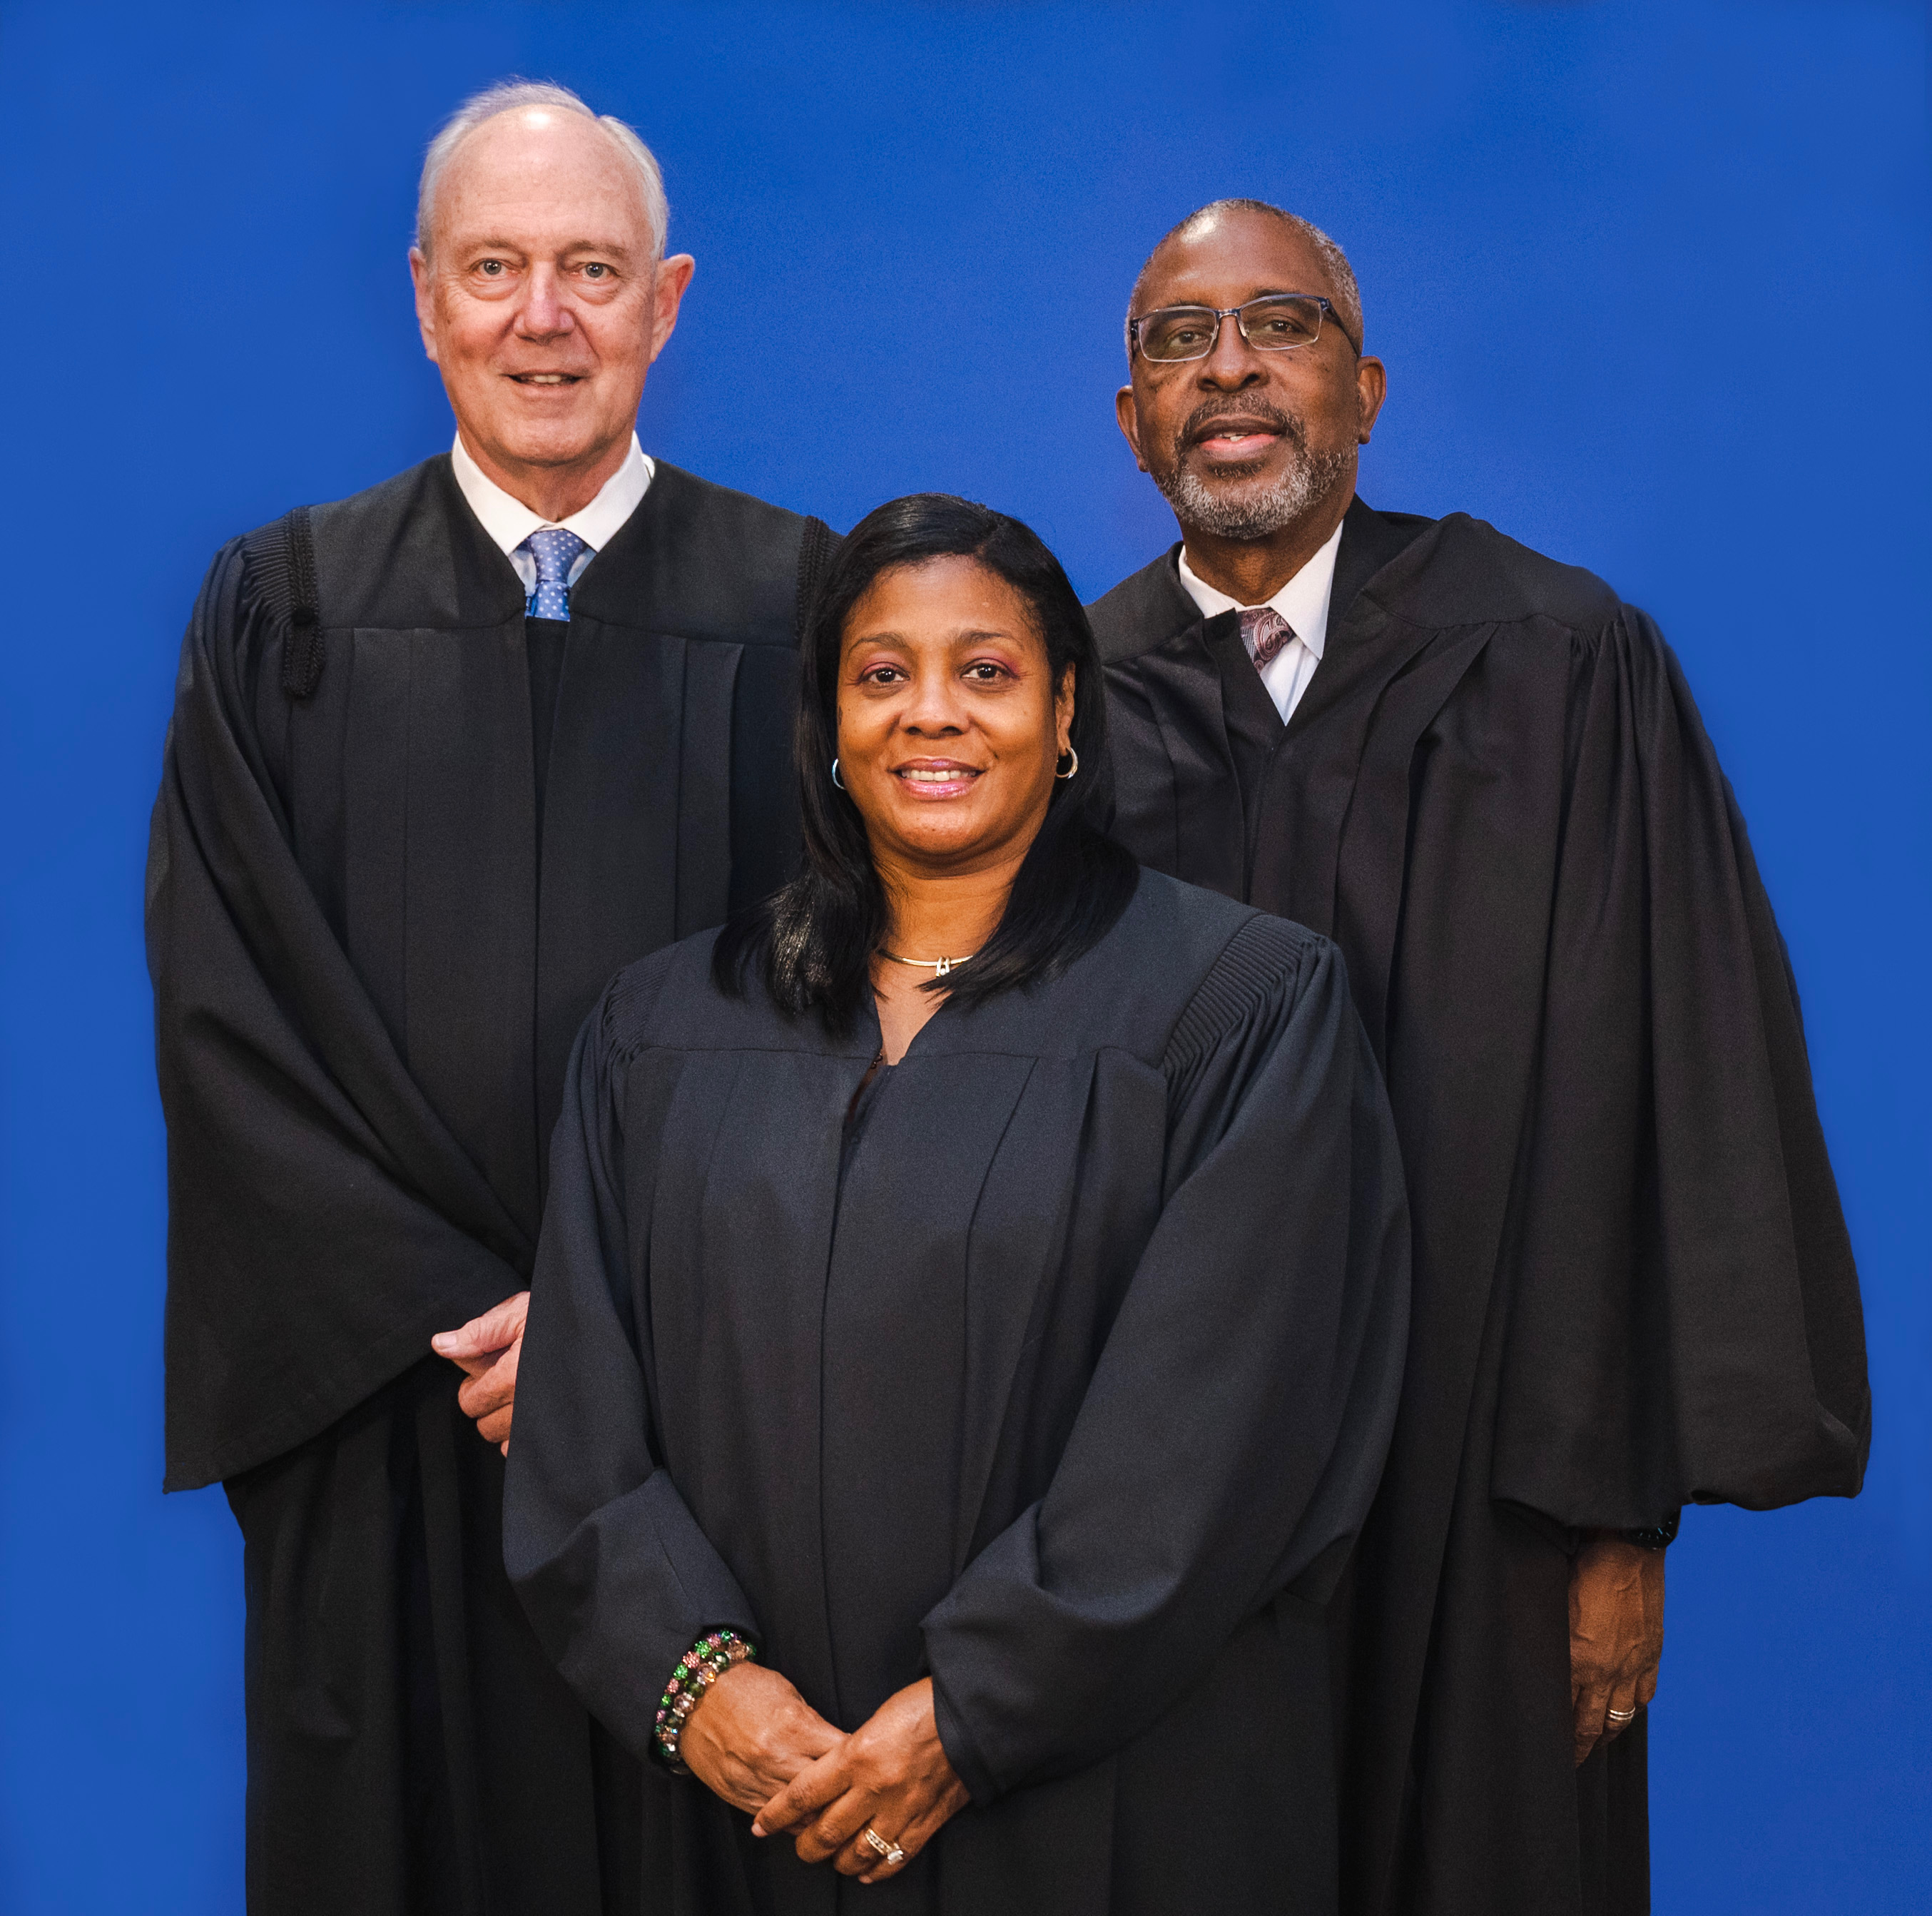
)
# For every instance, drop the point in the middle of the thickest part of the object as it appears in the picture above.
(555, 551)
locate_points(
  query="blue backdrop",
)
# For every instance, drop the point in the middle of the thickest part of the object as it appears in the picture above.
(1650, 281)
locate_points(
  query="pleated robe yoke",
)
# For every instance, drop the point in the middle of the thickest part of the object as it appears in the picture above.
(453, 914)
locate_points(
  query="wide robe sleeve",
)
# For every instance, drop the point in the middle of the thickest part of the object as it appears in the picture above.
(615, 1574)
(1234, 1431)
(323, 1223)
(1685, 1323)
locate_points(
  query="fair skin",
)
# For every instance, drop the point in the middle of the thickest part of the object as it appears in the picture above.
(1222, 417)
(542, 303)
(950, 729)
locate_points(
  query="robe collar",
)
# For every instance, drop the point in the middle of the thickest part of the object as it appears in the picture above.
(661, 572)
(1151, 607)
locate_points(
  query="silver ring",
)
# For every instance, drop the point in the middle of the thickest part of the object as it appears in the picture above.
(893, 1855)
(1620, 1716)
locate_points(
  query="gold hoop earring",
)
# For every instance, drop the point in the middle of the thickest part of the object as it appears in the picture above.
(1071, 769)
(835, 778)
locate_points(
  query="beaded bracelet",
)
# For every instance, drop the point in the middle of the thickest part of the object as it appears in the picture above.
(698, 1669)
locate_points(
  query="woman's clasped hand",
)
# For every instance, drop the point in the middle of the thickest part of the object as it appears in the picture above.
(759, 1745)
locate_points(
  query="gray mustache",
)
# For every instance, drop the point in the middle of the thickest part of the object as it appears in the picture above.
(1235, 406)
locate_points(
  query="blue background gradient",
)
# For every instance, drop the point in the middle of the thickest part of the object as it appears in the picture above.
(1651, 280)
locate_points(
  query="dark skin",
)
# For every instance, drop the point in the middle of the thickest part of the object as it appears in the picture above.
(1616, 1636)
(950, 729)
(1334, 392)
(1220, 416)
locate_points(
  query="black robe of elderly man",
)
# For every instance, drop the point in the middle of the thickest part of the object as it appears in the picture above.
(406, 832)
(370, 960)
(1633, 1287)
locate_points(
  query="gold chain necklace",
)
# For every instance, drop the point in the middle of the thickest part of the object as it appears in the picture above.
(938, 967)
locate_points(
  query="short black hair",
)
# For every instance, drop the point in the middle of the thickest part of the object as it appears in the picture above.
(814, 940)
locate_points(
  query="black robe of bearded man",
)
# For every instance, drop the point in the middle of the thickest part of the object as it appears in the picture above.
(404, 837)
(1632, 1285)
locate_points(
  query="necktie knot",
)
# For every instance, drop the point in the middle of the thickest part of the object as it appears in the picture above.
(555, 551)
(1265, 631)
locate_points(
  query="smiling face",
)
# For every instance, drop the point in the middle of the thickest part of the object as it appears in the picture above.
(949, 726)
(1246, 443)
(542, 302)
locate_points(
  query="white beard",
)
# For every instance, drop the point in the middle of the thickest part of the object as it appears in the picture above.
(1247, 508)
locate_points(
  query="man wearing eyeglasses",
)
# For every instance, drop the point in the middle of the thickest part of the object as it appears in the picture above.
(1483, 776)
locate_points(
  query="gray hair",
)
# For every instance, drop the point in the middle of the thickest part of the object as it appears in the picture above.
(1348, 295)
(506, 97)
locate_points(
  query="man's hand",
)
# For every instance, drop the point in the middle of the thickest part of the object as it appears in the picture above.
(486, 1350)
(1616, 1637)
(890, 1775)
(751, 1734)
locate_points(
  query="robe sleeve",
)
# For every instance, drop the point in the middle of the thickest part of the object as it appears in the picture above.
(616, 1577)
(1234, 1429)
(1684, 1320)
(322, 1222)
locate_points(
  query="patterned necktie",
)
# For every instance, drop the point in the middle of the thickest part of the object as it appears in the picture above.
(555, 551)
(1265, 631)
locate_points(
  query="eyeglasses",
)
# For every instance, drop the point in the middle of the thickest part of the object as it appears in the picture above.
(1276, 323)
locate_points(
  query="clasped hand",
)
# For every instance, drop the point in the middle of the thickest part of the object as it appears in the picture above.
(758, 1744)
(486, 1350)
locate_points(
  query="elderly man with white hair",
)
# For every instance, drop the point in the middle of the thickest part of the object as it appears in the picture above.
(444, 755)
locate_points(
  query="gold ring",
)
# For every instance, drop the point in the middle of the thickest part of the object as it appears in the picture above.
(892, 1853)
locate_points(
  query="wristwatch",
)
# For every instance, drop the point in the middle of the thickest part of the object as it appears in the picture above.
(1659, 1537)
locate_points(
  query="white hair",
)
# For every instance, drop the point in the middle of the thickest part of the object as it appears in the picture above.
(506, 97)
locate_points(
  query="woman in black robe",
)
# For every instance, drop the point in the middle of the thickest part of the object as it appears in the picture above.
(978, 1280)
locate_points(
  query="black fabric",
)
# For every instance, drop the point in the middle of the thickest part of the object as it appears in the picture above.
(377, 912)
(1632, 1285)
(364, 998)
(375, 1622)
(545, 639)
(1063, 1376)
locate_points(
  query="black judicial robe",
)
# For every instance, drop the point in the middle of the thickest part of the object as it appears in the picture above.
(1633, 1286)
(1064, 1377)
(404, 837)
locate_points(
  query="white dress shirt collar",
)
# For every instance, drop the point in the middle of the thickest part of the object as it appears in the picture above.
(509, 521)
(1303, 602)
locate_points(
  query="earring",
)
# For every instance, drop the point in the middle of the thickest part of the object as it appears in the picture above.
(835, 778)
(1071, 769)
